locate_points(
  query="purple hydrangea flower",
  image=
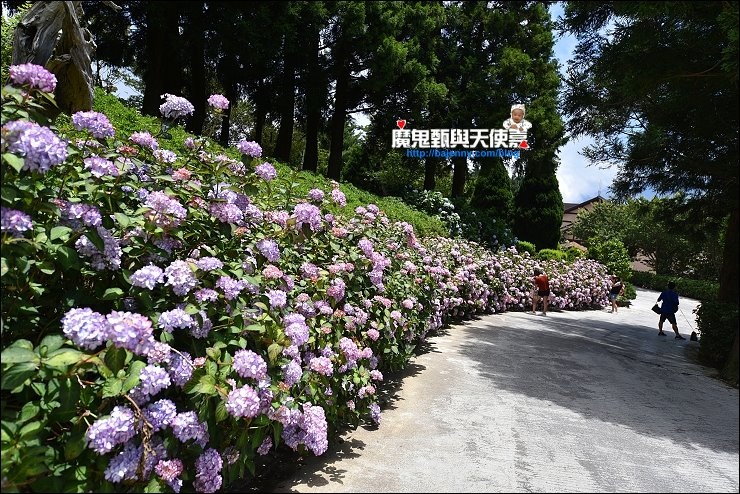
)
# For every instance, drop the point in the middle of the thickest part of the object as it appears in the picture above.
(109, 432)
(175, 319)
(243, 402)
(308, 214)
(208, 471)
(180, 277)
(266, 171)
(180, 367)
(265, 446)
(175, 107)
(131, 331)
(110, 258)
(144, 139)
(165, 156)
(219, 102)
(96, 123)
(296, 329)
(15, 222)
(169, 471)
(337, 289)
(160, 414)
(100, 167)
(292, 373)
(250, 148)
(230, 286)
(226, 212)
(249, 364)
(124, 466)
(322, 365)
(316, 195)
(338, 197)
(147, 277)
(153, 380)
(209, 263)
(269, 248)
(78, 215)
(39, 146)
(87, 329)
(166, 212)
(277, 298)
(186, 426)
(34, 76)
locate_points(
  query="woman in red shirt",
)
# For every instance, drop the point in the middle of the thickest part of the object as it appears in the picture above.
(542, 285)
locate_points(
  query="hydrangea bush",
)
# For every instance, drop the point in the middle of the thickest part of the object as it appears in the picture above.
(164, 325)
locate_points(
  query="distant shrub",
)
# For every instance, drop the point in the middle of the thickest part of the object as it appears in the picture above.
(524, 246)
(696, 289)
(551, 254)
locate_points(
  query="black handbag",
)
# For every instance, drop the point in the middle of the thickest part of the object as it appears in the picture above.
(656, 308)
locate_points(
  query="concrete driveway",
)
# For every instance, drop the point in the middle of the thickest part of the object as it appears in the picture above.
(571, 402)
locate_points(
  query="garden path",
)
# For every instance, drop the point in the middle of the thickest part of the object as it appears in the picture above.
(571, 402)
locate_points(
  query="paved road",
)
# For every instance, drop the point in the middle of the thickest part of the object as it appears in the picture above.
(572, 402)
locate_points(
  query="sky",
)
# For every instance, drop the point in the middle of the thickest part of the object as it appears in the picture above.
(578, 180)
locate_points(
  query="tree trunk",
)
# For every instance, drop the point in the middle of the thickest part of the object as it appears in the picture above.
(162, 72)
(284, 140)
(313, 106)
(260, 112)
(728, 288)
(430, 173)
(339, 117)
(459, 176)
(68, 57)
(231, 94)
(198, 96)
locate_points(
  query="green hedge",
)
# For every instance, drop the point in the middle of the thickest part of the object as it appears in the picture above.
(718, 323)
(699, 290)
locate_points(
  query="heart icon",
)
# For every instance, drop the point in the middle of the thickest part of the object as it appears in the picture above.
(524, 145)
(401, 123)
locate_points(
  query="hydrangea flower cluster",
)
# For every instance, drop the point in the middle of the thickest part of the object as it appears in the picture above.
(39, 146)
(175, 107)
(14, 222)
(266, 171)
(33, 76)
(96, 123)
(218, 101)
(250, 148)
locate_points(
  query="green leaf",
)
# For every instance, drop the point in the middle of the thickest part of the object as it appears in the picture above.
(273, 352)
(74, 447)
(112, 387)
(221, 413)
(133, 375)
(17, 355)
(205, 385)
(52, 342)
(67, 256)
(112, 293)
(15, 161)
(115, 358)
(31, 430)
(123, 220)
(59, 232)
(16, 375)
(63, 357)
(29, 411)
(255, 327)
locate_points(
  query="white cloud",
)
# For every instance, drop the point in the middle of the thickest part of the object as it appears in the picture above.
(579, 181)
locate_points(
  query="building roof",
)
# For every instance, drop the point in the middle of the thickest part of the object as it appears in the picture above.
(570, 206)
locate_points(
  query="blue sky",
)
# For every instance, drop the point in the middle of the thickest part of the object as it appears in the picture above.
(578, 181)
